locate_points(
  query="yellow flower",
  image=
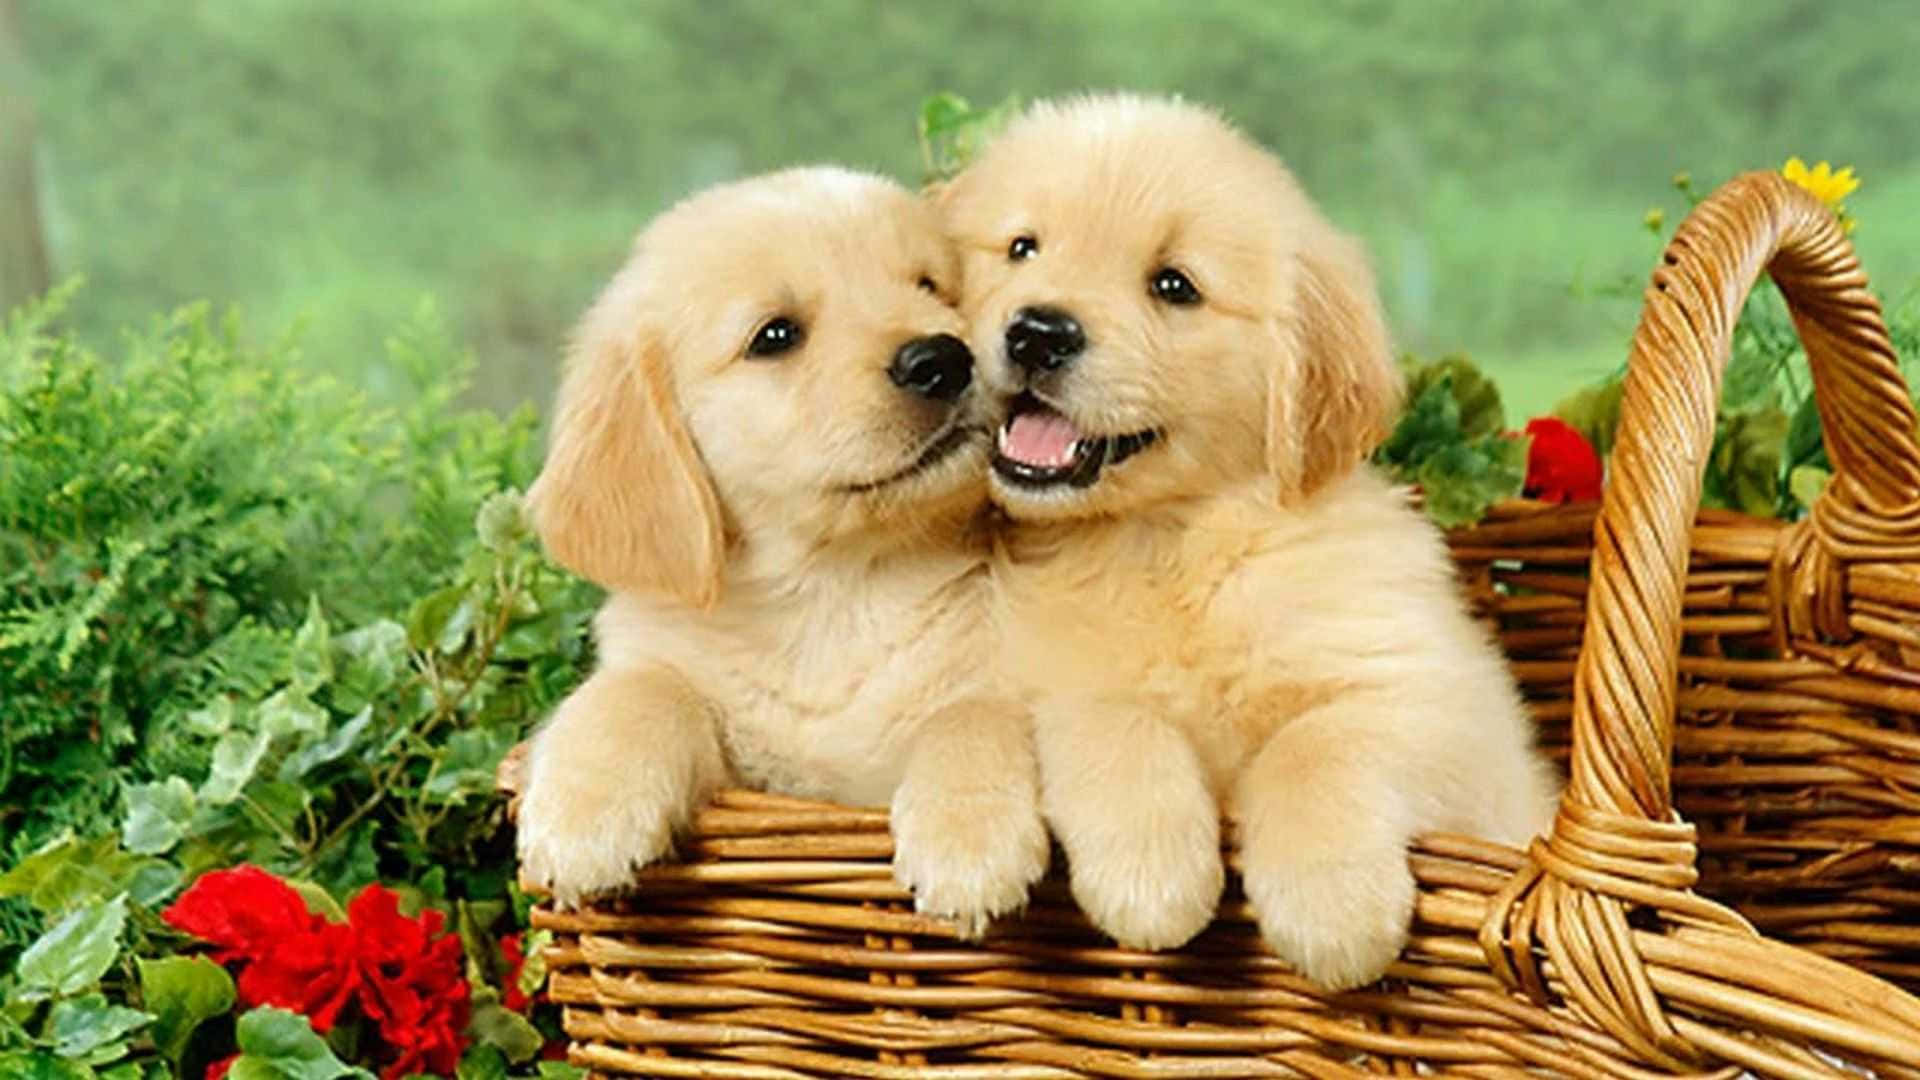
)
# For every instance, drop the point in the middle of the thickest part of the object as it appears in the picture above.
(1828, 186)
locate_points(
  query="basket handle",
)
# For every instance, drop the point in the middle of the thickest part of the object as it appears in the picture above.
(1624, 685)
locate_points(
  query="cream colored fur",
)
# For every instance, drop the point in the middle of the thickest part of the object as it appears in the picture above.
(776, 619)
(1242, 617)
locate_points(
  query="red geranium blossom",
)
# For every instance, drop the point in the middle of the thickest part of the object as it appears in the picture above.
(405, 974)
(1561, 464)
(414, 987)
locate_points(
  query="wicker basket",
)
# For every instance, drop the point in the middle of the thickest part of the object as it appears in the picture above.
(782, 948)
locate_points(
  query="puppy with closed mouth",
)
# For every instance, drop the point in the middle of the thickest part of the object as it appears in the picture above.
(770, 448)
(1206, 597)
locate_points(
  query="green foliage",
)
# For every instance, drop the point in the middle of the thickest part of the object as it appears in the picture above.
(279, 1045)
(248, 618)
(1452, 442)
(206, 557)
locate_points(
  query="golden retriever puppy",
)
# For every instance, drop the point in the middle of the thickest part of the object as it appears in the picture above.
(769, 448)
(1206, 598)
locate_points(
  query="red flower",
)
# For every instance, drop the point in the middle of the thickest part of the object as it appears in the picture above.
(405, 974)
(1561, 464)
(218, 1069)
(414, 986)
(310, 973)
(289, 957)
(244, 911)
(514, 958)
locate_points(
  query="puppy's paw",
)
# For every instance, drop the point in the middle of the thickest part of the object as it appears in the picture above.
(968, 857)
(1151, 881)
(578, 838)
(1338, 922)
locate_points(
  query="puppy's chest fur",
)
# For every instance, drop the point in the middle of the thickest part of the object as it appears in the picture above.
(1153, 615)
(822, 682)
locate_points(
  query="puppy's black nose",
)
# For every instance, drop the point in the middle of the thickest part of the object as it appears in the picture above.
(937, 367)
(1044, 339)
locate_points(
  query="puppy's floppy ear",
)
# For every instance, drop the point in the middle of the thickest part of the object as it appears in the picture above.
(1336, 395)
(623, 499)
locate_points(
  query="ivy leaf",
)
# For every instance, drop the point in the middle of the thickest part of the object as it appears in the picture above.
(42, 1066)
(289, 713)
(76, 952)
(157, 815)
(431, 616)
(482, 1062)
(67, 873)
(183, 992)
(467, 768)
(89, 1029)
(236, 757)
(279, 1045)
(335, 746)
(312, 659)
(493, 1024)
(368, 662)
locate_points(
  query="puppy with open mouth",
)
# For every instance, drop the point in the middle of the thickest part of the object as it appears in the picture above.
(1207, 599)
(771, 449)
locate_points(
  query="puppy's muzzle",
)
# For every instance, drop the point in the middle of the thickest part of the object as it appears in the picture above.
(939, 367)
(1043, 339)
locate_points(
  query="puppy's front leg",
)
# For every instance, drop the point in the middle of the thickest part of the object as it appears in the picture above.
(1128, 800)
(621, 766)
(967, 834)
(1326, 816)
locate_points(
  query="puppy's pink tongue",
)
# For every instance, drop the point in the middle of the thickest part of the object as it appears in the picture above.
(1040, 438)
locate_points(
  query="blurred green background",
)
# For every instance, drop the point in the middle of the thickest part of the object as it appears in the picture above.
(334, 162)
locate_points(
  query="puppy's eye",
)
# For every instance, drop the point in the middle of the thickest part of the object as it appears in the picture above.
(1023, 248)
(777, 336)
(1173, 286)
(927, 284)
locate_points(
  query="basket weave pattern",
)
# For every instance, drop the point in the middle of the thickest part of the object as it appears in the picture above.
(781, 947)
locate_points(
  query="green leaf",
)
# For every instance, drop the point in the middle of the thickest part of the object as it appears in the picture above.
(369, 661)
(559, 1070)
(289, 713)
(1807, 483)
(68, 873)
(312, 659)
(183, 992)
(78, 950)
(333, 747)
(42, 1066)
(1595, 413)
(88, 1028)
(471, 759)
(493, 1024)
(1462, 481)
(432, 614)
(236, 757)
(482, 1062)
(1744, 471)
(1476, 397)
(157, 815)
(318, 899)
(279, 1045)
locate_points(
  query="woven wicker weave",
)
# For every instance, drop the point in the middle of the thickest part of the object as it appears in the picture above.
(781, 948)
